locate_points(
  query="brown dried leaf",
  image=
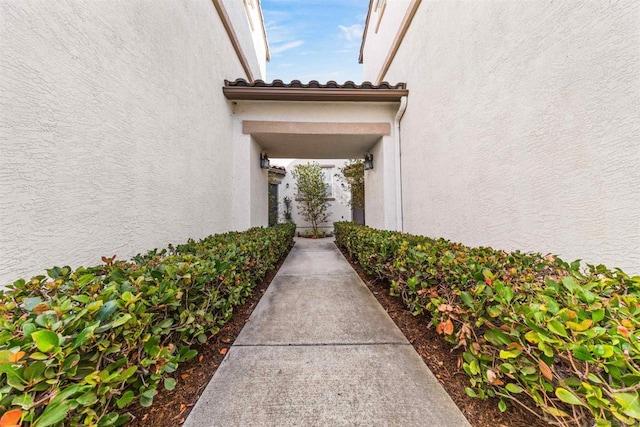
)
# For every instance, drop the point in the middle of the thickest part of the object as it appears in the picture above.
(16, 356)
(465, 331)
(461, 343)
(515, 345)
(41, 308)
(448, 327)
(623, 331)
(545, 369)
(445, 307)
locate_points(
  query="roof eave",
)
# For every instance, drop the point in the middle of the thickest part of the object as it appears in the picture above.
(264, 32)
(364, 34)
(313, 94)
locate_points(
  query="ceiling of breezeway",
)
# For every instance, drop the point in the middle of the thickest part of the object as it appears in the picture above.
(315, 140)
(302, 146)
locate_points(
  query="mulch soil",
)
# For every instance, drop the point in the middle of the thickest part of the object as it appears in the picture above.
(445, 363)
(171, 408)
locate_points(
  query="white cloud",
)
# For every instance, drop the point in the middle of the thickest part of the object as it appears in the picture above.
(286, 46)
(277, 33)
(352, 32)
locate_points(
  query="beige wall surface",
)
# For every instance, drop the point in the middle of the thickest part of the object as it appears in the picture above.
(114, 134)
(523, 126)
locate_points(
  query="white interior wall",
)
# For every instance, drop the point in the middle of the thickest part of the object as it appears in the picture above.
(523, 126)
(114, 135)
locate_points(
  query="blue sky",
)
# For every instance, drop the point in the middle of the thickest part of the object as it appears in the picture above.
(314, 39)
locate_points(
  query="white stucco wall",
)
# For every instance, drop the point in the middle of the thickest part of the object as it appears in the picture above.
(339, 207)
(384, 21)
(114, 134)
(523, 126)
(248, 26)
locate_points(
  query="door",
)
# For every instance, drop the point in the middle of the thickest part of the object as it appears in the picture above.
(273, 204)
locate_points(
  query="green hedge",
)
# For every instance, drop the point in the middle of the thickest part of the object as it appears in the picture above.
(527, 324)
(77, 347)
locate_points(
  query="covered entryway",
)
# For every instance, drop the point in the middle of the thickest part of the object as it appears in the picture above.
(316, 121)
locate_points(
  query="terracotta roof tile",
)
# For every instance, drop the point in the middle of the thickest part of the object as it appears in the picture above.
(278, 170)
(314, 84)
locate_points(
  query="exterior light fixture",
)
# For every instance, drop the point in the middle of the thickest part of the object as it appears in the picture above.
(368, 161)
(264, 161)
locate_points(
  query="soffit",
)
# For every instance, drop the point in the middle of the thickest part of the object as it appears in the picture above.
(315, 140)
(302, 146)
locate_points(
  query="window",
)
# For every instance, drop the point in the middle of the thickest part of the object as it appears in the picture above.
(327, 172)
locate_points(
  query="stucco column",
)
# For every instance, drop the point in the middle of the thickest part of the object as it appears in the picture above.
(250, 182)
(241, 178)
(380, 187)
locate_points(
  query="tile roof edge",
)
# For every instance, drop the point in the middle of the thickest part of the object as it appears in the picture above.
(313, 84)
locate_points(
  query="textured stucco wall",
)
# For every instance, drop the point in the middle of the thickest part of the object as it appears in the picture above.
(247, 25)
(339, 208)
(523, 126)
(381, 32)
(114, 134)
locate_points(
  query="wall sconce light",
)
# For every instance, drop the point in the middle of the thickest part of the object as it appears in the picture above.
(264, 161)
(368, 161)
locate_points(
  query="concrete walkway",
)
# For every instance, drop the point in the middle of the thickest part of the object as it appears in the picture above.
(320, 350)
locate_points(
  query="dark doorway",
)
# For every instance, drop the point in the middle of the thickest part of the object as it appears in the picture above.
(357, 214)
(273, 204)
